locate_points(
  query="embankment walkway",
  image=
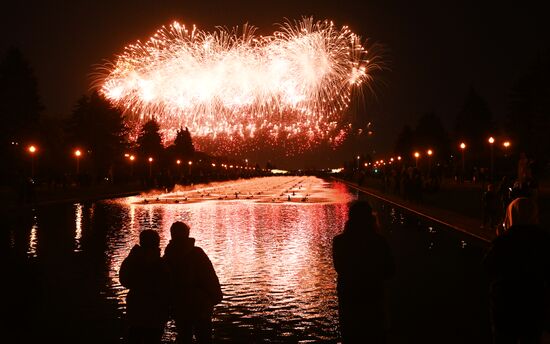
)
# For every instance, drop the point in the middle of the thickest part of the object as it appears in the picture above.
(465, 224)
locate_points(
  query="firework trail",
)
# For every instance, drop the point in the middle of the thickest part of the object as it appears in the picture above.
(235, 86)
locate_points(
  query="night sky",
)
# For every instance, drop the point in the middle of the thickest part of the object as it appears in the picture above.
(434, 49)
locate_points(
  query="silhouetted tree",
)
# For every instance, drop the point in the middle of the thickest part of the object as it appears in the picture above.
(430, 133)
(405, 141)
(99, 129)
(55, 155)
(183, 144)
(474, 123)
(528, 119)
(149, 140)
(20, 105)
(20, 109)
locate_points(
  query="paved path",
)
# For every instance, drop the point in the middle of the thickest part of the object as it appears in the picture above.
(456, 221)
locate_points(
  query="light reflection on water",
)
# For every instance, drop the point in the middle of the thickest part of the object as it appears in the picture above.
(274, 261)
(33, 238)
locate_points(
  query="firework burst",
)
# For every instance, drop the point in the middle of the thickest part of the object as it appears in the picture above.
(234, 86)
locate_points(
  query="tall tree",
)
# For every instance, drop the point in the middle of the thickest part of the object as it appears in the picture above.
(528, 119)
(430, 133)
(20, 104)
(474, 123)
(149, 140)
(20, 109)
(98, 128)
(183, 144)
(405, 141)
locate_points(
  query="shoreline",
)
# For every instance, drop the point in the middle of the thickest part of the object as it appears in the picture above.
(458, 222)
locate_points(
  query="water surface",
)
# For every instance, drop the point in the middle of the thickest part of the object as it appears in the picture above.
(272, 255)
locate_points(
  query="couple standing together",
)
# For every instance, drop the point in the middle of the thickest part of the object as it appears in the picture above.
(182, 284)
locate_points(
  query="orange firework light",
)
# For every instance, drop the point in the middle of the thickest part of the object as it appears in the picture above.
(237, 88)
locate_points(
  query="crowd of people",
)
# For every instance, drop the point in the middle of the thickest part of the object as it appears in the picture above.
(497, 197)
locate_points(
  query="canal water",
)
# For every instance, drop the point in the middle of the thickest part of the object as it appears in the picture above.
(270, 243)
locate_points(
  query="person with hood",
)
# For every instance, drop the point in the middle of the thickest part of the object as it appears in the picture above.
(363, 262)
(518, 267)
(194, 286)
(144, 273)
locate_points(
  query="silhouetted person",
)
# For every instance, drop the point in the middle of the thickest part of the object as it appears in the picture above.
(195, 288)
(363, 261)
(144, 273)
(518, 266)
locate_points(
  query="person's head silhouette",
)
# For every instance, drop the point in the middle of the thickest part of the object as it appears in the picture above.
(360, 217)
(179, 230)
(149, 239)
(521, 212)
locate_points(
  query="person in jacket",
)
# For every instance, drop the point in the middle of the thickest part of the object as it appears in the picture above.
(146, 277)
(194, 286)
(363, 262)
(518, 267)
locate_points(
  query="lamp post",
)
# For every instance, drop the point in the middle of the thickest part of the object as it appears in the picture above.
(416, 156)
(77, 154)
(150, 167)
(178, 162)
(491, 141)
(463, 148)
(506, 145)
(132, 158)
(32, 150)
(430, 152)
(190, 163)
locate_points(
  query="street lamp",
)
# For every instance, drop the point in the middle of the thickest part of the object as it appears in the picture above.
(77, 154)
(430, 152)
(491, 141)
(463, 148)
(178, 162)
(32, 150)
(190, 163)
(150, 166)
(416, 156)
(506, 145)
(132, 158)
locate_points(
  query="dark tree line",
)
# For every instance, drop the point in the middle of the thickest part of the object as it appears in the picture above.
(99, 130)
(526, 126)
(20, 108)
(94, 128)
(528, 119)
